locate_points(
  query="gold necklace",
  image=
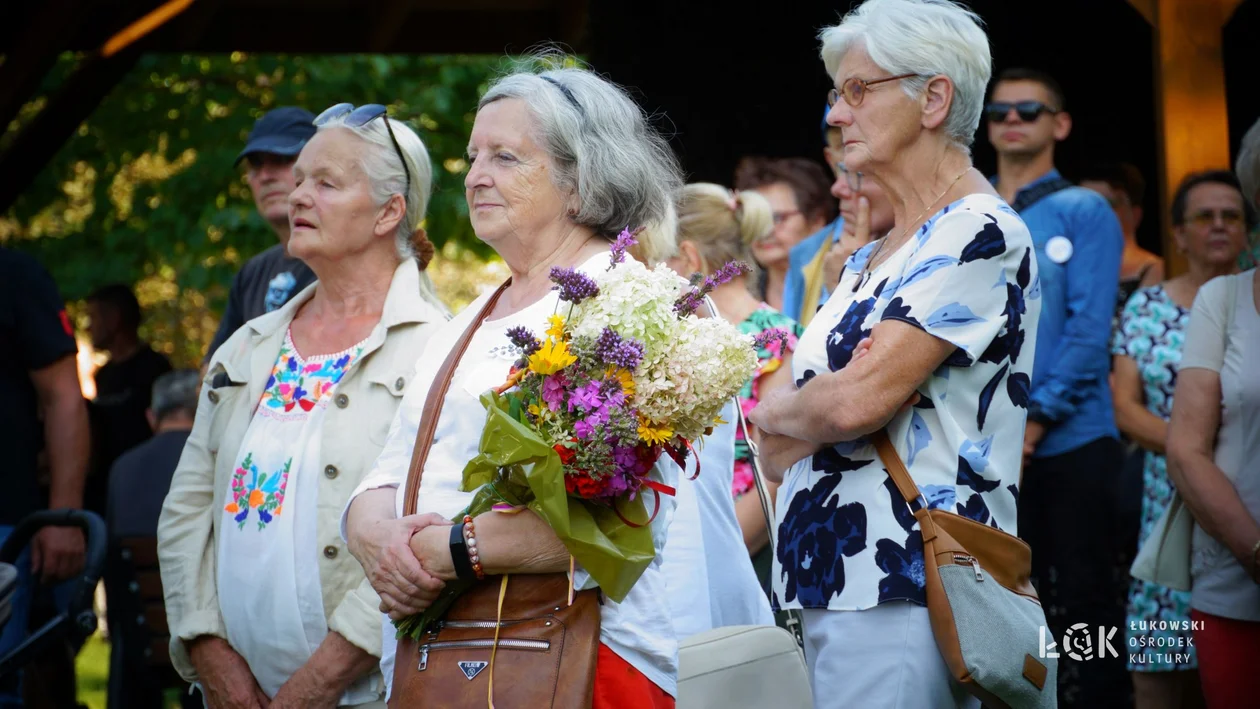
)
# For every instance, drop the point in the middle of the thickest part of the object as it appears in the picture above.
(870, 262)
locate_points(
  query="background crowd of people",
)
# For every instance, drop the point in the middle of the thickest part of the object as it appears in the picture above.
(1037, 370)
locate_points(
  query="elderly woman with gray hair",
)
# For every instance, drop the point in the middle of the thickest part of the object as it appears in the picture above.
(927, 336)
(560, 162)
(265, 607)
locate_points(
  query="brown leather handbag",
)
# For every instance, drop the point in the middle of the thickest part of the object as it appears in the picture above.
(518, 632)
(985, 614)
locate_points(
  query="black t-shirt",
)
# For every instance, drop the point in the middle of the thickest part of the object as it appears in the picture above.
(123, 391)
(264, 283)
(34, 333)
(138, 484)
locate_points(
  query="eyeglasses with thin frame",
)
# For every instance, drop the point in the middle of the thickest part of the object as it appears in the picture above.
(854, 89)
(780, 217)
(1027, 111)
(852, 178)
(1208, 217)
(361, 116)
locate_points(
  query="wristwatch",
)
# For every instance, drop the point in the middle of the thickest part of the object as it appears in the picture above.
(459, 554)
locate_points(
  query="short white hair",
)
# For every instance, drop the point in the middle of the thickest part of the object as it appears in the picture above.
(605, 150)
(380, 163)
(924, 37)
(1248, 165)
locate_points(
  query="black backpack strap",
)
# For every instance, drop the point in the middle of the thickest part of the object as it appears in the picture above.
(1029, 197)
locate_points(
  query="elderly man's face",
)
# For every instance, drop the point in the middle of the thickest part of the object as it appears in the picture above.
(270, 178)
(331, 211)
(509, 186)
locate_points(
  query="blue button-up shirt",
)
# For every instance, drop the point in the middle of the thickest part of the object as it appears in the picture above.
(1078, 279)
(799, 257)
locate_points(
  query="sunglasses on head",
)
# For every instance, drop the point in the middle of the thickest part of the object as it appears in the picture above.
(361, 116)
(1028, 111)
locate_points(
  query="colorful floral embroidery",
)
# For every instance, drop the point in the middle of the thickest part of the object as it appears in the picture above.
(294, 382)
(264, 492)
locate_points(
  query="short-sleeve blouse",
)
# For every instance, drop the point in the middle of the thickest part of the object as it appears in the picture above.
(847, 539)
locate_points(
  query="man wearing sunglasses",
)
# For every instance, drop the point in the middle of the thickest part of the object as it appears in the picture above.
(268, 280)
(1072, 454)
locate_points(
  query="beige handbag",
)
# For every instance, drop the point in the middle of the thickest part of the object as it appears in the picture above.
(1165, 557)
(753, 666)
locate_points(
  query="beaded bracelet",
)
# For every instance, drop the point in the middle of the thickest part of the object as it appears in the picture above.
(470, 539)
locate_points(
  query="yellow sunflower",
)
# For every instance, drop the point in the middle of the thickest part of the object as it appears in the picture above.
(551, 358)
(556, 327)
(653, 433)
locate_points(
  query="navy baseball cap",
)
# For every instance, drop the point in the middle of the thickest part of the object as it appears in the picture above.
(283, 131)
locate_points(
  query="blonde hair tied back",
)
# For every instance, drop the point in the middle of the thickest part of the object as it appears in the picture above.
(722, 224)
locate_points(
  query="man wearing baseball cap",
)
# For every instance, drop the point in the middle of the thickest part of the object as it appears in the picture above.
(268, 280)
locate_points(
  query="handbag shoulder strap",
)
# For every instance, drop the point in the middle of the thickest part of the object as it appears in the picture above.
(433, 403)
(896, 468)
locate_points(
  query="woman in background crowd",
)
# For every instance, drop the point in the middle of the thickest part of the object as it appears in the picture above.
(1207, 215)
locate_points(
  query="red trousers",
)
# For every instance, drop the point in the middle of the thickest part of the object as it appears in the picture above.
(618, 685)
(1227, 651)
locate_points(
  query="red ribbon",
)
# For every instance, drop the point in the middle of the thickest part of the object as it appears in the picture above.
(656, 493)
(681, 458)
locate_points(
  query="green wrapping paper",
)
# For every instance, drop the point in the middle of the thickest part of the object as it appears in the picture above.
(514, 465)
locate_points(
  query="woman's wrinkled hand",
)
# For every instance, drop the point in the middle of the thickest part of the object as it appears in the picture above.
(392, 568)
(777, 453)
(225, 677)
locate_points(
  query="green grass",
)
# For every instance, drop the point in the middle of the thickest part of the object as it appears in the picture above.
(91, 671)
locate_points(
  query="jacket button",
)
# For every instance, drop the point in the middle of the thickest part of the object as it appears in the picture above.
(213, 396)
(342, 401)
(330, 471)
(330, 552)
(398, 385)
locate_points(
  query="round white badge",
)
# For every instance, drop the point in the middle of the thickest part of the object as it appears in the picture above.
(1059, 249)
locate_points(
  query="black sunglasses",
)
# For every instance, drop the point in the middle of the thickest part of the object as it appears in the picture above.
(1028, 111)
(361, 116)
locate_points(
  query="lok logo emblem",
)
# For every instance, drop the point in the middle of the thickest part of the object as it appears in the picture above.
(472, 669)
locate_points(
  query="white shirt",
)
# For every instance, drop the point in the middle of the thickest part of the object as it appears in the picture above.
(707, 569)
(638, 629)
(268, 535)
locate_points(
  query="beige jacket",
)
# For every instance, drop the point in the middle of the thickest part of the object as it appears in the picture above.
(354, 432)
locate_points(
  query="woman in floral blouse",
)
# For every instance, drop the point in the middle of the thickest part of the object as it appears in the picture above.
(943, 312)
(266, 609)
(716, 226)
(1209, 220)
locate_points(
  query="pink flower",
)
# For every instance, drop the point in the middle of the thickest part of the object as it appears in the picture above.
(285, 389)
(553, 392)
(582, 428)
(314, 367)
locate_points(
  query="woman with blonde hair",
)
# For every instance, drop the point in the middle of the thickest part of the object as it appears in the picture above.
(717, 226)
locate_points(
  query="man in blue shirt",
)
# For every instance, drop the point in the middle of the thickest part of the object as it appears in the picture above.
(1071, 449)
(814, 264)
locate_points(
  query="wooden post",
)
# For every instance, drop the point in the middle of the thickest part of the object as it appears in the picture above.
(1190, 95)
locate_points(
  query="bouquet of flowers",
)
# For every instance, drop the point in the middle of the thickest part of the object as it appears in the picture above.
(625, 372)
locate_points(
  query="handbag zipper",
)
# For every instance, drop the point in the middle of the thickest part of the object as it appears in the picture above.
(510, 643)
(472, 624)
(971, 561)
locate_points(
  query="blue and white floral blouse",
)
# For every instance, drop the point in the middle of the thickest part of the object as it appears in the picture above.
(847, 539)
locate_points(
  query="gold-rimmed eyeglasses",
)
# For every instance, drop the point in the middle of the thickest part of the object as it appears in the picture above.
(854, 89)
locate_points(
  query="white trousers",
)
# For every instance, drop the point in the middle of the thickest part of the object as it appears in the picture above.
(880, 658)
